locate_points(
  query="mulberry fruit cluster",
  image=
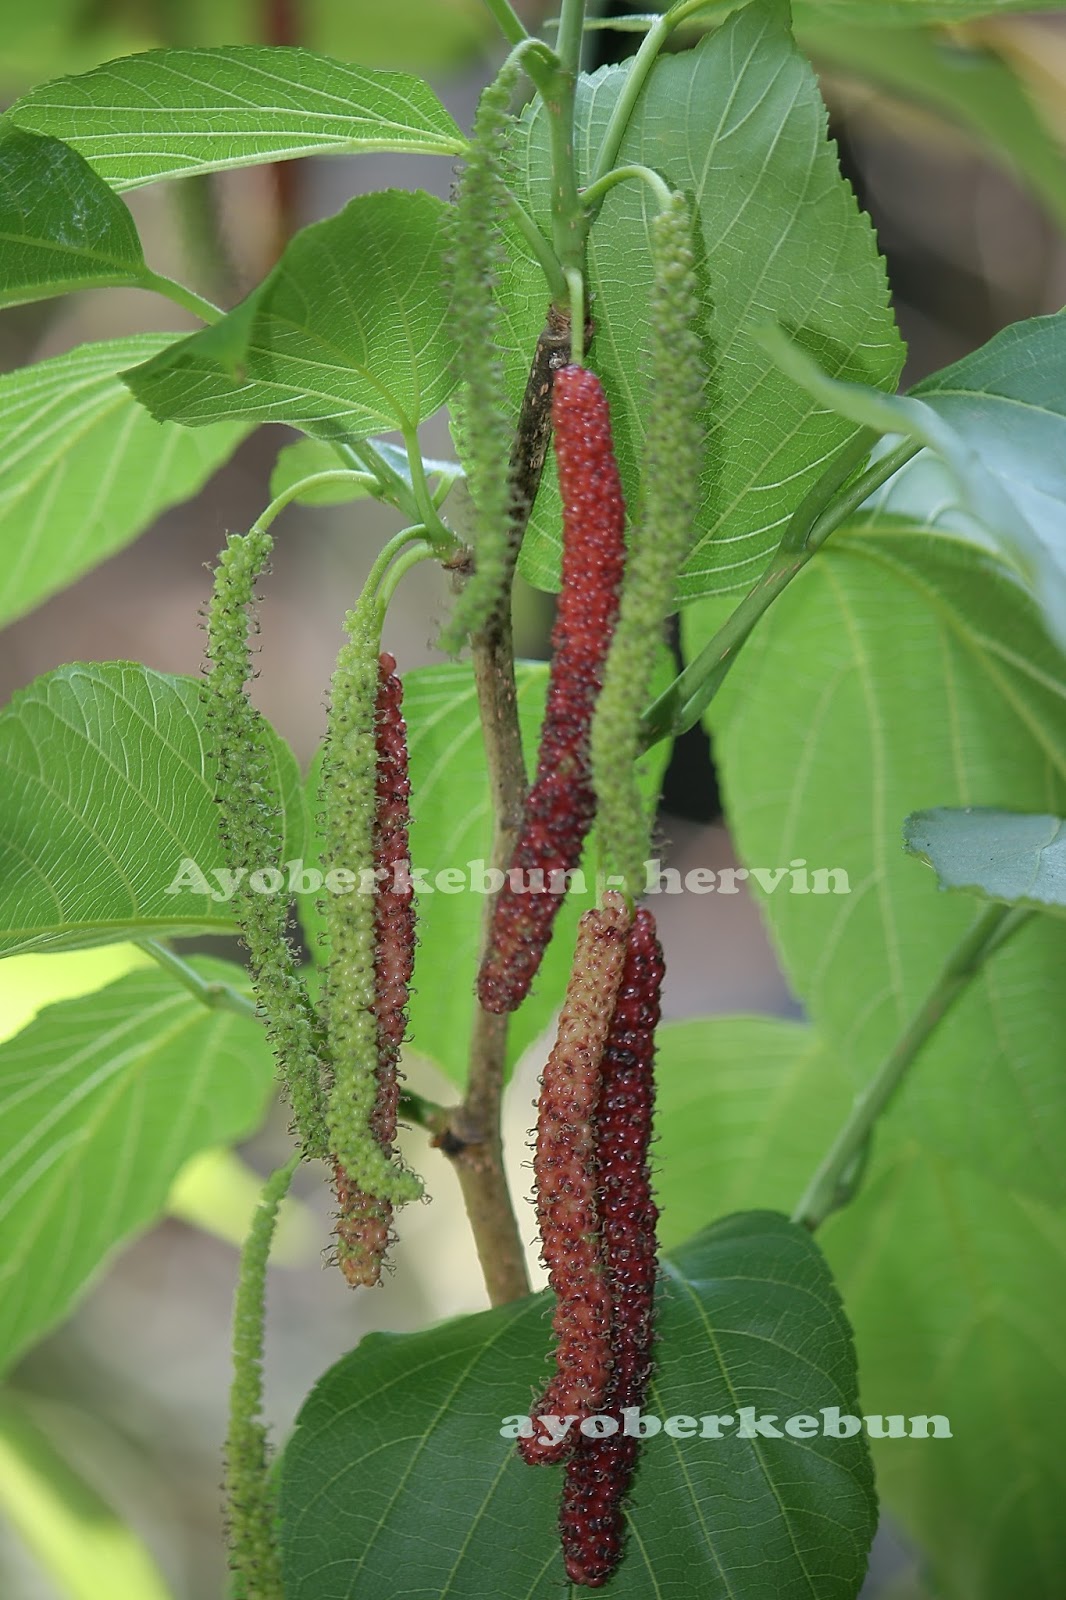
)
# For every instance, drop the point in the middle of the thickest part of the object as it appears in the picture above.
(599, 1472)
(598, 1219)
(561, 804)
(564, 1167)
(371, 951)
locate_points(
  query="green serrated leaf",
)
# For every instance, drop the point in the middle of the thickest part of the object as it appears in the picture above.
(997, 854)
(347, 336)
(102, 1102)
(997, 421)
(61, 228)
(107, 791)
(424, 1497)
(955, 1286)
(451, 832)
(738, 124)
(904, 668)
(171, 113)
(83, 470)
(1007, 403)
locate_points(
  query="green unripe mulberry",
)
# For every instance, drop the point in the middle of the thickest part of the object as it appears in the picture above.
(251, 832)
(251, 1494)
(486, 424)
(662, 537)
(349, 809)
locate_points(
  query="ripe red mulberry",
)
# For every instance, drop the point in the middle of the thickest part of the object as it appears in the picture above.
(564, 1168)
(561, 804)
(599, 1472)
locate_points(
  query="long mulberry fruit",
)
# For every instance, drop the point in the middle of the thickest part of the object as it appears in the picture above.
(486, 420)
(364, 1221)
(250, 831)
(599, 1472)
(394, 915)
(564, 1169)
(665, 527)
(561, 804)
(371, 949)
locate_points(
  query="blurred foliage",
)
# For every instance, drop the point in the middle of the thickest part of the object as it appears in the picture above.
(55, 37)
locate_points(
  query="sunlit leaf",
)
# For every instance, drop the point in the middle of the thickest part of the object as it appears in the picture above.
(170, 113)
(108, 827)
(84, 470)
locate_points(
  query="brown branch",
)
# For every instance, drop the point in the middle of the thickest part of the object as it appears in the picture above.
(472, 1136)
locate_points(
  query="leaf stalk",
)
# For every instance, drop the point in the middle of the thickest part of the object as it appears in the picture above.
(836, 1180)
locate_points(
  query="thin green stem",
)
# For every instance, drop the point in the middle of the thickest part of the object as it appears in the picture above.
(680, 706)
(635, 79)
(313, 479)
(384, 559)
(811, 526)
(394, 485)
(423, 1113)
(216, 996)
(437, 532)
(188, 299)
(411, 557)
(571, 34)
(541, 248)
(447, 478)
(632, 85)
(557, 85)
(510, 24)
(823, 510)
(832, 1185)
(820, 496)
(596, 192)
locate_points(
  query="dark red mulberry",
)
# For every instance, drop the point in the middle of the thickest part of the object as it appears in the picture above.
(561, 804)
(599, 1472)
(564, 1169)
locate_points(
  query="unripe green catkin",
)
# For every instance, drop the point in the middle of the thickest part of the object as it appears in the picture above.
(662, 537)
(486, 428)
(349, 807)
(250, 827)
(251, 1508)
